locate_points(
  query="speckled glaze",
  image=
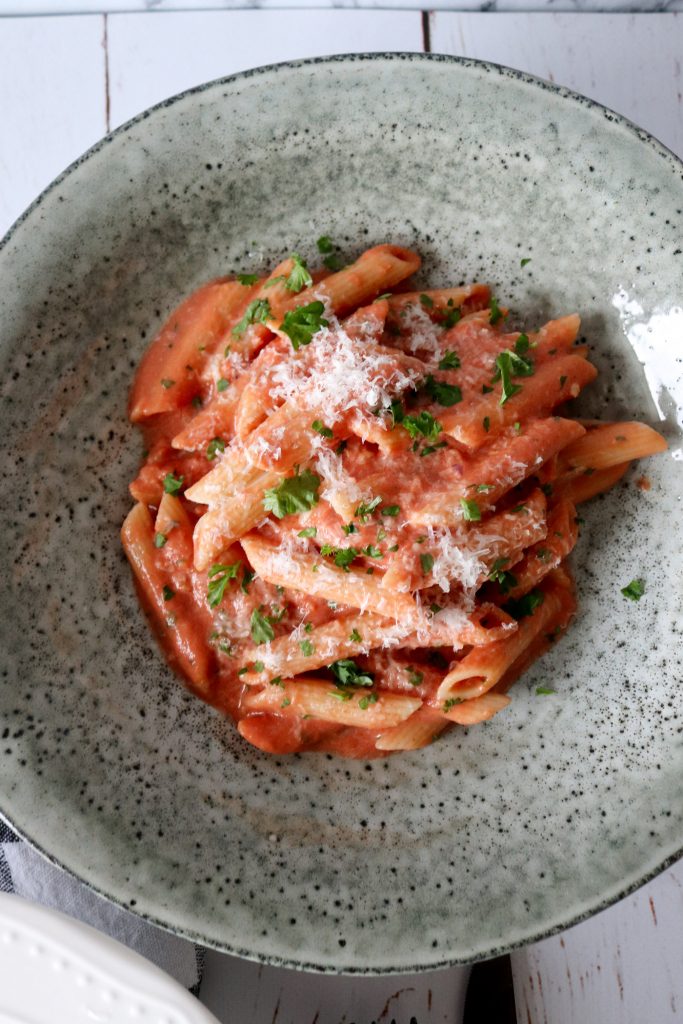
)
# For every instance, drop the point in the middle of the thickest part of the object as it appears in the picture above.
(493, 836)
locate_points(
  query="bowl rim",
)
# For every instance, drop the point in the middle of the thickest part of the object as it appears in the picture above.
(575, 99)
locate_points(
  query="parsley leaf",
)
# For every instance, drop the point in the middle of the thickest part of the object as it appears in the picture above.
(321, 429)
(302, 323)
(299, 277)
(247, 577)
(524, 262)
(333, 261)
(219, 577)
(295, 494)
(247, 278)
(166, 383)
(325, 244)
(307, 648)
(496, 312)
(390, 510)
(365, 702)
(366, 508)
(372, 551)
(217, 445)
(451, 702)
(423, 423)
(222, 384)
(441, 392)
(470, 510)
(520, 607)
(634, 590)
(451, 318)
(343, 557)
(427, 563)
(258, 311)
(498, 575)
(542, 691)
(168, 593)
(355, 637)
(348, 673)
(427, 301)
(508, 365)
(262, 631)
(450, 361)
(308, 531)
(414, 677)
(159, 540)
(172, 484)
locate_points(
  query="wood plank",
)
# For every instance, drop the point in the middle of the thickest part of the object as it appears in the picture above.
(629, 62)
(152, 57)
(621, 967)
(52, 99)
(246, 993)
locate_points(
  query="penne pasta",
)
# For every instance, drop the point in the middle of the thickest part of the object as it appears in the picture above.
(357, 507)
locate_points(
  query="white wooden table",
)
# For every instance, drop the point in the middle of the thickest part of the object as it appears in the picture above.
(65, 81)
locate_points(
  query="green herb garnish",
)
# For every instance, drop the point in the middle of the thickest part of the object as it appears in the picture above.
(262, 631)
(295, 494)
(302, 323)
(257, 312)
(470, 510)
(634, 590)
(219, 577)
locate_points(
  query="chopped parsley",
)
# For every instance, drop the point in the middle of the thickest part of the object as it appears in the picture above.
(333, 261)
(295, 494)
(167, 592)
(247, 279)
(542, 691)
(321, 429)
(325, 244)
(216, 445)
(222, 384)
(634, 590)
(563, 381)
(524, 262)
(470, 510)
(498, 575)
(451, 702)
(172, 483)
(427, 301)
(257, 666)
(348, 673)
(166, 383)
(219, 577)
(257, 312)
(423, 423)
(355, 637)
(520, 607)
(308, 531)
(366, 508)
(486, 390)
(286, 702)
(390, 510)
(484, 488)
(302, 323)
(441, 392)
(486, 422)
(372, 551)
(429, 449)
(307, 648)
(299, 276)
(450, 361)
(262, 631)
(365, 702)
(159, 540)
(496, 312)
(512, 364)
(414, 677)
(349, 528)
(343, 557)
(427, 563)
(451, 317)
(247, 577)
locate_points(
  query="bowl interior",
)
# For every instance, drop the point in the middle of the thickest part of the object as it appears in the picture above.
(494, 835)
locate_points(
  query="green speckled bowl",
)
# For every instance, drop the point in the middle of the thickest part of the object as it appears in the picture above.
(495, 835)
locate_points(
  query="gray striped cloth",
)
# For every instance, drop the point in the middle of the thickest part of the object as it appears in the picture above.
(26, 873)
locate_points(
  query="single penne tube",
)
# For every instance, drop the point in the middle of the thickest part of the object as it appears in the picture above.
(493, 471)
(582, 484)
(544, 556)
(480, 419)
(613, 444)
(175, 616)
(169, 374)
(321, 698)
(484, 666)
(468, 298)
(224, 523)
(375, 271)
(313, 575)
(421, 729)
(479, 709)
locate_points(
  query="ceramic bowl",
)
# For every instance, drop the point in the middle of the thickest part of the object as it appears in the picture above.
(493, 836)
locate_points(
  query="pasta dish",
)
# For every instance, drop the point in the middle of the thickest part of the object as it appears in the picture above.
(353, 517)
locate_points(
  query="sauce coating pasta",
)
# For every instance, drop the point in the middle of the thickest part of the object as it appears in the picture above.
(353, 519)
